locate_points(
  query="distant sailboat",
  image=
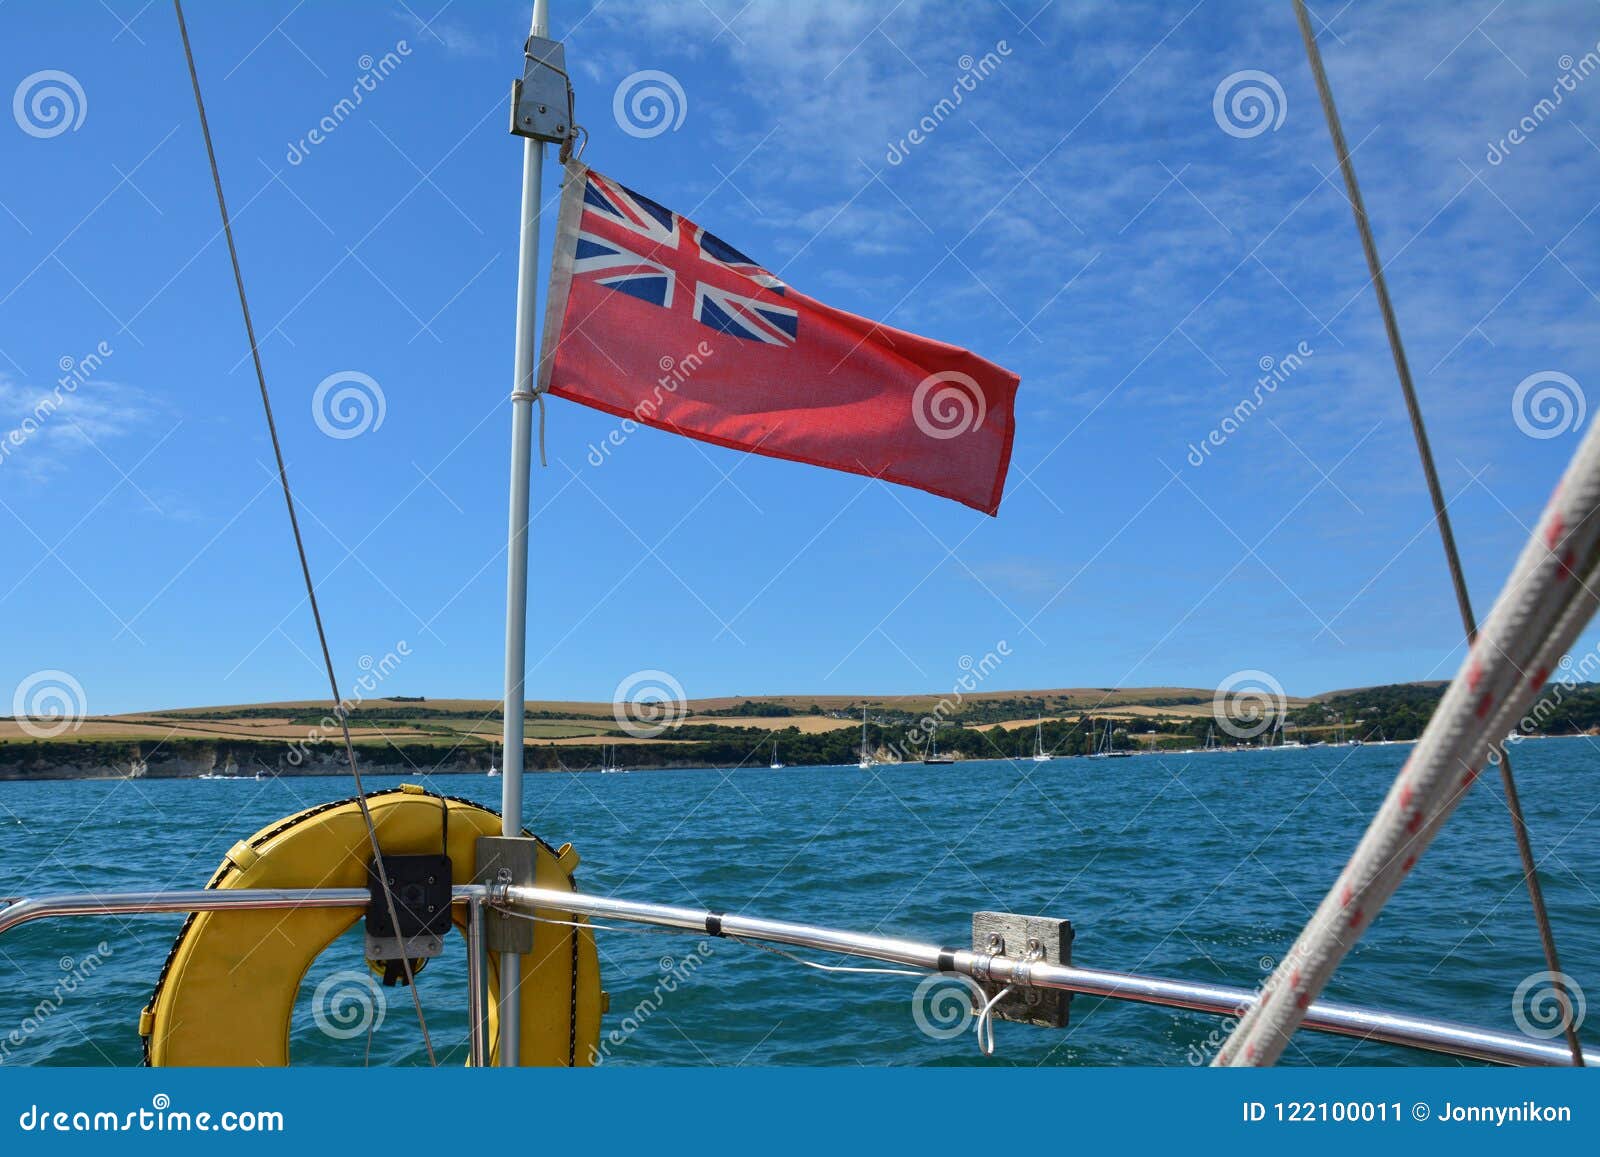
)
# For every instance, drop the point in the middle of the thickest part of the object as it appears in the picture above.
(1105, 750)
(494, 772)
(933, 755)
(776, 764)
(866, 756)
(608, 766)
(1040, 755)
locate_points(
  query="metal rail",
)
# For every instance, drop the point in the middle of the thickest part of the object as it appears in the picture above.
(1425, 1033)
(24, 910)
(1429, 1034)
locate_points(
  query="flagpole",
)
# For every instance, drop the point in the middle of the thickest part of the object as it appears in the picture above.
(522, 398)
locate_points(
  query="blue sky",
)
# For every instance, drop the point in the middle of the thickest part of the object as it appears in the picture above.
(1084, 217)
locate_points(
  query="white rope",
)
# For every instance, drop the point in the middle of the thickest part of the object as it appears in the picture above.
(1543, 608)
(537, 919)
(828, 967)
(985, 1025)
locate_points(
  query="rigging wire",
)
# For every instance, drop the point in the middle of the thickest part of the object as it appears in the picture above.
(294, 524)
(1530, 868)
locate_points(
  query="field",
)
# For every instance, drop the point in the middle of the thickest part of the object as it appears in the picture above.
(463, 735)
(453, 722)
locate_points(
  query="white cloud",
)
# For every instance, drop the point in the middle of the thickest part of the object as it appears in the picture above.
(455, 37)
(44, 431)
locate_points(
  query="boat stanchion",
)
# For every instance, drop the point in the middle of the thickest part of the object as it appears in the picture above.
(478, 981)
(501, 862)
(548, 58)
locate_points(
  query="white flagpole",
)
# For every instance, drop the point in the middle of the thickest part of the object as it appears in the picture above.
(522, 399)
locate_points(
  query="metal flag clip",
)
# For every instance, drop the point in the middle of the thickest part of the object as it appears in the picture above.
(541, 101)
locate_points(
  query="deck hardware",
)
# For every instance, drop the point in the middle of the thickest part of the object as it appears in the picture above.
(1023, 941)
(504, 861)
(541, 101)
(421, 886)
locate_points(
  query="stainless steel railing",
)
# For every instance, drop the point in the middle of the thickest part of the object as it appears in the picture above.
(1426, 1033)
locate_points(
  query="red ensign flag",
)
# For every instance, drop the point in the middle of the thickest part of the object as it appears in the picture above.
(652, 318)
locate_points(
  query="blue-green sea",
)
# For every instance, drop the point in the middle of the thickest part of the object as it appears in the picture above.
(1201, 866)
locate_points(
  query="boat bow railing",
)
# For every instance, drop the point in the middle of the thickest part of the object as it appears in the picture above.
(1426, 1033)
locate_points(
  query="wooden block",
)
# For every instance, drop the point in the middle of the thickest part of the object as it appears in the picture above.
(1013, 936)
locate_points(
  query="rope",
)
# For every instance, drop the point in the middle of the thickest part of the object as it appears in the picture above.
(833, 968)
(1545, 605)
(985, 1026)
(294, 522)
(1519, 827)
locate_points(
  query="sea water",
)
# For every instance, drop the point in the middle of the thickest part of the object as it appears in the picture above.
(1199, 866)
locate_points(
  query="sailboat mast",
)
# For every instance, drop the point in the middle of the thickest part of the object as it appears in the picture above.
(522, 398)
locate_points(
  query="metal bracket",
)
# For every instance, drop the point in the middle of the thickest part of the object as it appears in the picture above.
(506, 860)
(421, 887)
(1040, 938)
(541, 102)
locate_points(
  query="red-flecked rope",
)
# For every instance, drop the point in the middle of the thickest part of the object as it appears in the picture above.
(1441, 514)
(1545, 605)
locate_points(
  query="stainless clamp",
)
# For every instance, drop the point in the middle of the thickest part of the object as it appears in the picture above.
(541, 101)
(1022, 941)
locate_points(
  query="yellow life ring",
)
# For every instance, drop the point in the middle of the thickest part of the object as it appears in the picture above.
(227, 992)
